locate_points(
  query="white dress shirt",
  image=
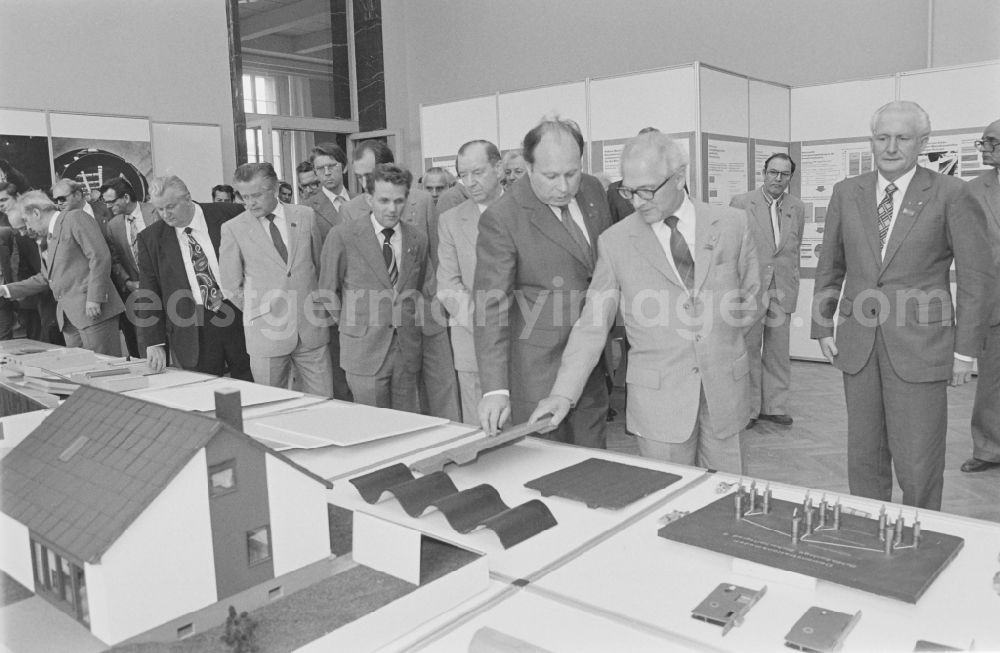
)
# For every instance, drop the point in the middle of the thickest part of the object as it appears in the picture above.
(897, 198)
(395, 242)
(199, 230)
(140, 222)
(576, 214)
(279, 222)
(686, 220)
(342, 195)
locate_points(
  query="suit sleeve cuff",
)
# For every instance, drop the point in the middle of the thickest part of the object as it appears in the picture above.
(963, 358)
(499, 393)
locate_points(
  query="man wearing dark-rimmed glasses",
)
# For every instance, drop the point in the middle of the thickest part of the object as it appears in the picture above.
(986, 409)
(776, 219)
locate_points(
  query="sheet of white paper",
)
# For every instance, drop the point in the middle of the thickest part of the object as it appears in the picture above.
(340, 424)
(201, 396)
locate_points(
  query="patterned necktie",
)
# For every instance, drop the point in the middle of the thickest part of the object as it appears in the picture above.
(133, 238)
(576, 234)
(211, 296)
(279, 243)
(389, 256)
(885, 214)
(682, 255)
(774, 223)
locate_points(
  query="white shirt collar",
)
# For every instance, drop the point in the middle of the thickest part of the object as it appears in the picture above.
(331, 195)
(901, 185)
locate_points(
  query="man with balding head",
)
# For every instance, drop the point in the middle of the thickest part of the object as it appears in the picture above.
(71, 195)
(435, 182)
(889, 241)
(535, 258)
(688, 389)
(986, 409)
(77, 267)
(481, 171)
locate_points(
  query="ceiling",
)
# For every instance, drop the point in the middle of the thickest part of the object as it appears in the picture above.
(290, 29)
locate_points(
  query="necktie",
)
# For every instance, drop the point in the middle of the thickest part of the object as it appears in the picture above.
(133, 235)
(279, 243)
(389, 256)
(211, 296)
(337, 201)
(774, 223)
(682, 255)
(885, 214)
(577, 234)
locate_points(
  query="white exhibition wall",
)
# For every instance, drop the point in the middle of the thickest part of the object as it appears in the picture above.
(521, 110)
(173, 145)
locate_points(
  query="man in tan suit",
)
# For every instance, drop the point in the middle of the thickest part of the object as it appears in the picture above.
(269, 260)
(329, 164)
(889, 241)
(374, 272)
(76, 265)
(986, 409)
(776, 219)
(480, 168)
(684, 276)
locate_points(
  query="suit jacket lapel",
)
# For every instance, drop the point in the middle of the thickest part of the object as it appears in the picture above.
(409, 264)
(171, 249)
(916, 198)
(546, 221)
(54, 244)
(867, 203)
(294, 234)
(785, 225)
(371, 250)
(259, 234)
(648, 246)
(993, 198)
(705, 238)
(762, 214)
(469, 221)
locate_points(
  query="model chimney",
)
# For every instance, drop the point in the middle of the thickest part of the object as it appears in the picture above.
(228, 408)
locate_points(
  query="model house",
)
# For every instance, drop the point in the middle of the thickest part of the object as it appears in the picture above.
(127, 514)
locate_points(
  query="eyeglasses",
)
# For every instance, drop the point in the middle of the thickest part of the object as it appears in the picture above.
(642, 193)
(776, 174)
(312, 185)
(328, 169)
(987, 145)
(61, 199)
(111, 201)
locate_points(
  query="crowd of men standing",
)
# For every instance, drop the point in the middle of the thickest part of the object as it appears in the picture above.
(491, 300)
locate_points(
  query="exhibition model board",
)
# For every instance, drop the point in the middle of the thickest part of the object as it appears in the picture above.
(639, 575)
(200, 397)
(341, 424)
(599, 483)
(880, 554)
(507, 469)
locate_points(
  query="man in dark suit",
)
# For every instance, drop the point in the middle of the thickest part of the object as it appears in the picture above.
(986, 408)
(890, 238)
(374, 269)
(534, 260)
(776, 220)
(181, 312)
(131, 217)
(77, 268)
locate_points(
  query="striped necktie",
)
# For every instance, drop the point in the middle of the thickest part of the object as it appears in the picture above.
(885, 214)
(682, 255)
(390, 257)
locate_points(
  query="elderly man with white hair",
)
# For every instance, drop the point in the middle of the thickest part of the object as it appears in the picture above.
(684, 276)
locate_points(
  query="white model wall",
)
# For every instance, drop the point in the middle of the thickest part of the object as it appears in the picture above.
(300, 532)
(161, 567)
(15, 551)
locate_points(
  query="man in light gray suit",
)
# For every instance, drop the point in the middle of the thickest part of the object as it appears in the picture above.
(986, 409)
(684, 276)
(269, 260)
(480, 168)
(776, 219)
(76, 265)
(889, 241)
(374, 270)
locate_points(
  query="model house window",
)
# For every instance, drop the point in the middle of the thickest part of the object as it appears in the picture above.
(222, 478)
(259, 545)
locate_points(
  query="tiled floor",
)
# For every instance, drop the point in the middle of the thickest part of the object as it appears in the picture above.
(813, 451)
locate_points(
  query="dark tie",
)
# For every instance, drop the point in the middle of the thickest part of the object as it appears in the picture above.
(211, 296)
(133, 235)
(682, 255)
(279, 243)
(574, 231)
(389, 257)
(885, 214)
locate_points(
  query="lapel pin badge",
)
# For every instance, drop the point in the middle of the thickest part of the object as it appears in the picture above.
(293, 224)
